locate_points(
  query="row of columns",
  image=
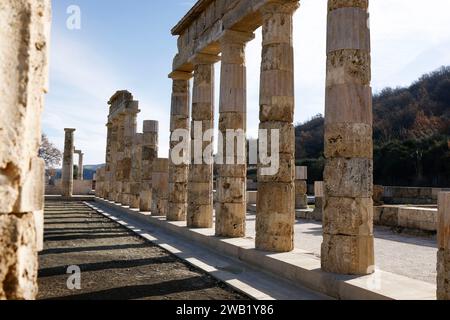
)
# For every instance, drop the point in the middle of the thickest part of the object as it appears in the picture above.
(348, 227)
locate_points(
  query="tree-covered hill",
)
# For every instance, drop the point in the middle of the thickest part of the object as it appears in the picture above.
(411, 134)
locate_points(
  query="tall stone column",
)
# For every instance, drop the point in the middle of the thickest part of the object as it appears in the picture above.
(119, 159)
(80, 172)
(24, 35)
(80, 166)
(275, 215)
(348, 245)
(136, 164)
(107, 169)
(111, 175)
(301, 186)
(178, 172)
(231, 206)
(200, 189)
(443, 261)
(160, 187)
(67, 169)
(130, 128)
(149, 155)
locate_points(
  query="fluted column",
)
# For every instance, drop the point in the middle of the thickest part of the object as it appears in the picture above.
(178, 172)
(200, 188)
(149, 155)
(275, 216)
(231, 207)
(80, 166)
(348, 245)
(67, 169)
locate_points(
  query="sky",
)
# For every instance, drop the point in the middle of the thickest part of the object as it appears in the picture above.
(127, 44)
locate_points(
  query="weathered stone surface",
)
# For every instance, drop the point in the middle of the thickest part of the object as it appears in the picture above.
(348, 216)
(443, 274)
(348, 187)
(231, 190)
(443, 264)
(285, 132)
(231, 220)
(286, 171)
(275, 216)
(348, 254)
(348, 140)
(301, 173)
(349, 177)
(24, 37)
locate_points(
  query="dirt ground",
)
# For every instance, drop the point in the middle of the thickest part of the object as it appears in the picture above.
(115, 264)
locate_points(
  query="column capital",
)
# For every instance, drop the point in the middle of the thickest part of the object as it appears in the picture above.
(236, 37)
(339, 4)
(203, 58)
(280, 6)
(150, 126)
(70, 130)
(180, 75)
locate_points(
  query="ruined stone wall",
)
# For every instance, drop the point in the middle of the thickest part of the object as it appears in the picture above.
(24, 39)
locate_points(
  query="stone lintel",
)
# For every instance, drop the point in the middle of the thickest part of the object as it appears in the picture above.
(180, 75)
(238, 37)
(203, 58)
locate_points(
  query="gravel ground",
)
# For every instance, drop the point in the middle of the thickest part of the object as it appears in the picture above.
(115, 264)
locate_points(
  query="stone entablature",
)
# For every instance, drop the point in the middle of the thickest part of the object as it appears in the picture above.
(202, 27)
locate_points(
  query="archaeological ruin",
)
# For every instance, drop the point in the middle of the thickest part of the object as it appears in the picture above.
(203, 201)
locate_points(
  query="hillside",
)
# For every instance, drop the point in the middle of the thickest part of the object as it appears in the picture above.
(411, 134)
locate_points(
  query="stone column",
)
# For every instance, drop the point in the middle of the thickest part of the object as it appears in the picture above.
(107, 169)
(24, 35)
(443, 261)
(301, 188)
(160, 187)
(80, 166)
(119, 159)
(231, 206)
(111, 174)
(318, 201)
(200, 189)
(275, 216)
(67, 169)
(348, 245)
(136, 163)
(178, 172)
(130, 125)
(149, 155)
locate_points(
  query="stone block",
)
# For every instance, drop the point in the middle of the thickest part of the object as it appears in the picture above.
(351, 178)
(200, 193)
(282, 133)
(230, 219)
(231, 190)
(352, 255)
(348, 216)
(285, 173)
(348, 140)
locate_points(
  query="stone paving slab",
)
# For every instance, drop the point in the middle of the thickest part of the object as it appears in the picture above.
(300, 266)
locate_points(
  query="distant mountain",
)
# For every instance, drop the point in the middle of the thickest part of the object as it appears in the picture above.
(88, 173)
(411, 134)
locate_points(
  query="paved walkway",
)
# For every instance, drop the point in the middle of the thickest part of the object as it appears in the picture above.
(411, 256)
(115, 263)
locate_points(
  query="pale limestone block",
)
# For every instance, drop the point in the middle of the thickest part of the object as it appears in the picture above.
(348, 216)
(353, 255)
(348, 140)
(349, 177)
